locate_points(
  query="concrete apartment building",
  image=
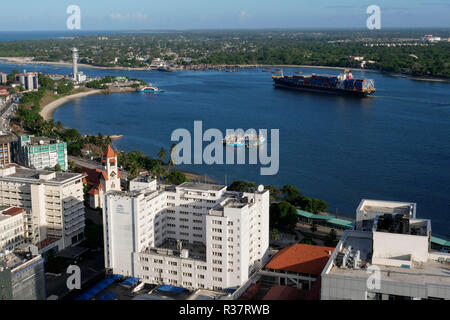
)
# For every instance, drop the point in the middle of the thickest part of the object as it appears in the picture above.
(191, 235)
(22, 275)
(53, 204)
(40, 152)
(12, 228)
(30, 80)
(387, 257)
(3, 78)
(5, 149)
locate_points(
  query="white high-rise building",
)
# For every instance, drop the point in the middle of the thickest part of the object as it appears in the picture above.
(53, 204)
(191, 235)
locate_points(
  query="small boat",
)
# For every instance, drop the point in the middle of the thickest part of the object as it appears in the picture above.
(237, 140)
(149, 88)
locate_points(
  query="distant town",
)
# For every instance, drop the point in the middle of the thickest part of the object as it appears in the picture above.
(406, 52)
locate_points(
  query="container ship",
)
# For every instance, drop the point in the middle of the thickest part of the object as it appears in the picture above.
(341, 84)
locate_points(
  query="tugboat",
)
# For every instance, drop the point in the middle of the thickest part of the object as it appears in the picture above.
(149, 88)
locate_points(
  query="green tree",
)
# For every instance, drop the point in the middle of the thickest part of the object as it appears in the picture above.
(162, 154)
(242, 186)
(176, 177)
(283, 215)
(57, 167)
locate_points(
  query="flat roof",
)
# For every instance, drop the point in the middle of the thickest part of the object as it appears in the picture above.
(31, 174)
(301, 258)
(430, 272)
(420, 273)
(201, 186)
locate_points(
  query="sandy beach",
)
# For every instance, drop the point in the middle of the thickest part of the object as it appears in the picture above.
(48, 110)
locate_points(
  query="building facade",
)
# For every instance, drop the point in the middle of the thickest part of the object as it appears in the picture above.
(5, 149)
(3, 78)
(30, 80)
(22, 275)
(40, 152)
(12, 228)
(191, 235)
(387, 257)
(53, 204)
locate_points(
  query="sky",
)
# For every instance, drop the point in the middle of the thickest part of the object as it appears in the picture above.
(49, 15)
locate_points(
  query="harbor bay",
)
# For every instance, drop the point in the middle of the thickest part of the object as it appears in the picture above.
(393, 145)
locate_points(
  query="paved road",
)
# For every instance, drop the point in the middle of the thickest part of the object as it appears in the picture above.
(7, 111)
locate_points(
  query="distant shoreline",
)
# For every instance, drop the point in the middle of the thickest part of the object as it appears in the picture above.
(30, 60)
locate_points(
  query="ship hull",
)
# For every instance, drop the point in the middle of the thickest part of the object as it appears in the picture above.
(299, 87)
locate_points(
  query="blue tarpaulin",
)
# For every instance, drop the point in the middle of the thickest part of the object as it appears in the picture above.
(99, 287)
(108, 296)
(130, 281)
(169, 288)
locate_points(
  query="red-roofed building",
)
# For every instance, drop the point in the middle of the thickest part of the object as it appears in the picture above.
(282, 293)
(102, 181)
(298, 265)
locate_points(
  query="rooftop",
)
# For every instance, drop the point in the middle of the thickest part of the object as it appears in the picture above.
(420, 273)
(201, 186)
(171, 248)
(301, 258)
(20, 173)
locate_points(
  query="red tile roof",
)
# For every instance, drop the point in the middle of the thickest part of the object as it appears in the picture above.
(301, 258)
(109, 152)
(251, 292)
(282, 293)
(92, 176)
(13, 211)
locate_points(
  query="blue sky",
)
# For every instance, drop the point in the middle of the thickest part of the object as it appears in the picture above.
(27, 15)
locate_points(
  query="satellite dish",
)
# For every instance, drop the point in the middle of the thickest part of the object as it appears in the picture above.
(260, 188)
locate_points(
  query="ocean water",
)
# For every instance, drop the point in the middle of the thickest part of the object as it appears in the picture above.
(392, 146)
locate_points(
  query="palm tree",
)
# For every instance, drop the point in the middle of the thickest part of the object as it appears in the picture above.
(162, 154)
(158, 171)
(173, 149)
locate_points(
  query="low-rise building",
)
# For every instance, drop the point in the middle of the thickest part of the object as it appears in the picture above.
(12, 228)
(191, 235)
(53, 204)
(40, 152)
(298, 265)
(387, 257)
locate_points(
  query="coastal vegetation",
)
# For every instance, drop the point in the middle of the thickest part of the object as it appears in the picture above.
(28, 118)
(398, 51)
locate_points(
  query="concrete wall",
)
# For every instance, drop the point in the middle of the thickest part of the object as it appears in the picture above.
(392, 245)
